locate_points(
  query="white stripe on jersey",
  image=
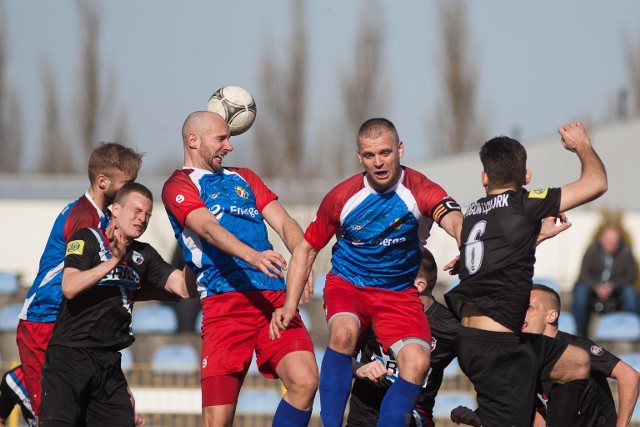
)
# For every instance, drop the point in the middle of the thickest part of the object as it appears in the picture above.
(47, 278)
(17, 390)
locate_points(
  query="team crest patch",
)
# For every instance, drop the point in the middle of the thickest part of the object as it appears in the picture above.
(434, 342)
(137, 257)
(242, 192)
(540, 193)
(596, 350)
(75, 247)
(396, 224)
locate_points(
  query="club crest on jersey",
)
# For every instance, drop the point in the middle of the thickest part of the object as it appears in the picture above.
(137, 257)
(596, 350)
(539, 193)
(242, 192)
(75, 247)
(179, 198)
(397, 224)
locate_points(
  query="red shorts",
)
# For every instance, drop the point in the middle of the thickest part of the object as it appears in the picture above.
(395, 316)
(235, 324)
(32, 339)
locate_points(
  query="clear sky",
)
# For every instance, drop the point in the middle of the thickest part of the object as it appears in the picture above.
(541, 63)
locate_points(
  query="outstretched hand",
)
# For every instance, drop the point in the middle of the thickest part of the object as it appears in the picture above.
(453, 266)
(552, 226)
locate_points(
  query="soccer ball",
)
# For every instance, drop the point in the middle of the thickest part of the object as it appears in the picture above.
(236, 106)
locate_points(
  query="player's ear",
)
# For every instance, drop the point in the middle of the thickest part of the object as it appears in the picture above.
(485, 179)
(527, 176)
(552, 316)
(103, 181)
(400, 149)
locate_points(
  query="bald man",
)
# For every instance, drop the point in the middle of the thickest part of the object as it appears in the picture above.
(218, 216)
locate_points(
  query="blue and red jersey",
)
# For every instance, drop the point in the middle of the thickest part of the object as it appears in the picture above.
(236, 196)
(45, 296)
(380, 236)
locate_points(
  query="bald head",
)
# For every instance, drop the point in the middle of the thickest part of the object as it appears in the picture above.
(205, 137)
(198, 122)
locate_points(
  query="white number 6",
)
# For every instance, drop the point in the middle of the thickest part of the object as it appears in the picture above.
(474, 248)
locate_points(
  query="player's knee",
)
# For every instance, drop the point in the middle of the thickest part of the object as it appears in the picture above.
(414, 361)
(343, 340)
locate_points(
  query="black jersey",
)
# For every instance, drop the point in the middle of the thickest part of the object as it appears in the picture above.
(366, 397)
(597, 403)
(100, 317)
(497, 255)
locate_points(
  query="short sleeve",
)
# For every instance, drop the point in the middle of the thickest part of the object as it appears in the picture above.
(80, 250)
(263, 194)
(180, 196)
(542, 203)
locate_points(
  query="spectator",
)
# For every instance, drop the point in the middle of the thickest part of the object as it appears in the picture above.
(608, 274)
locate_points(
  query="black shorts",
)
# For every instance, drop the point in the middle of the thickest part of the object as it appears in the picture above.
(504, 369)
(86, 387)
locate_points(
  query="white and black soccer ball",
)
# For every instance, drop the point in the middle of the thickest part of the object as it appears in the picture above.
(236, 105)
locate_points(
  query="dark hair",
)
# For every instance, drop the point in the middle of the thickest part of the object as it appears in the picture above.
(505, 162)
(132, 187)
(373, 128)
(555, 297)
(110, 157)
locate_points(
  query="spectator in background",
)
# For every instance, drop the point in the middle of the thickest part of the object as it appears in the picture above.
(608, 271)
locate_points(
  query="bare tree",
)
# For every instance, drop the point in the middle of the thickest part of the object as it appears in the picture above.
(632, 59)
(456, 127)
(56, 155)
(282, 131)
(10, 118)
(361, 84)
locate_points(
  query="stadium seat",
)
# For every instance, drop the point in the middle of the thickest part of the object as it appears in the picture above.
(318, 284)
(453, 370)
(446, 401)
(198, 327)
(127, 359)
(306, 318)
(548, 282)
(453, 282)
(251, 402)
(319, 353)
(8, 283)
(632, 359)
(9, 316)
(159, 319)
(618, 326)
(567, 323)
(179, 358)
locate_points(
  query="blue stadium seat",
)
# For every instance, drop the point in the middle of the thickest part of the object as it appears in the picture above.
(178, 358)
(453, 370)
(306, 318)
(8, 283)
(251, 401)
(548, 282)
(127, 359)
(318, 284)
(567, 323)
(453, 282)
(198, 327)
(618, 326)
(9, 316)
(158, 319)
(446, 401)
(632, 359)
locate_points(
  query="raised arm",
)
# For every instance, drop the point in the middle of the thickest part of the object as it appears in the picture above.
(205, 224)
(76, 281)
(593, 179)
(628, 379)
